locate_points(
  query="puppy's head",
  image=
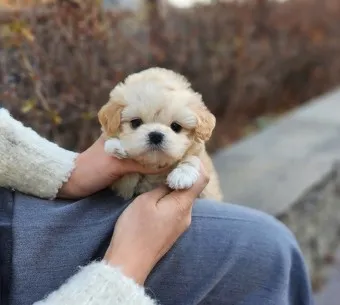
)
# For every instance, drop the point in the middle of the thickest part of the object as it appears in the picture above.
(157, 117)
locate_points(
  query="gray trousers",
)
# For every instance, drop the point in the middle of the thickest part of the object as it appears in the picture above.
(231, 255)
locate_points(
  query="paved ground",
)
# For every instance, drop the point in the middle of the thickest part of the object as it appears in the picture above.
(330, 294)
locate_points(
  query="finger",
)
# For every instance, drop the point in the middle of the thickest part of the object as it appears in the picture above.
(129, 166)
(156, 194)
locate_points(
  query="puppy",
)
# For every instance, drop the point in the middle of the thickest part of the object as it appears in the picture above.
(155, 118)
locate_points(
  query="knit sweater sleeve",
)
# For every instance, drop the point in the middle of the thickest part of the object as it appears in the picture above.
(30, 163)
(33, 165)
(98, 284)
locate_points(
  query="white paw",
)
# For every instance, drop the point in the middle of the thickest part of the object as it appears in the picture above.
(114, 147)
(183, 177)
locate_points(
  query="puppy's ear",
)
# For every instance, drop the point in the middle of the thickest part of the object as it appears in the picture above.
(110, 114)
(206, 121)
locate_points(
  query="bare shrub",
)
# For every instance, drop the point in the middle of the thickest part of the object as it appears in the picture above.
(247, 59)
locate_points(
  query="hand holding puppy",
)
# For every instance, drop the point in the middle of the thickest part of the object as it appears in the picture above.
(96, 170)
(150, 226)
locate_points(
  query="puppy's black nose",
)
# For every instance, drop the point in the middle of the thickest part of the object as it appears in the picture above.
(156, 137)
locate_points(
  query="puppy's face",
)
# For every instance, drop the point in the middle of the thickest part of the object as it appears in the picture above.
(157, 117)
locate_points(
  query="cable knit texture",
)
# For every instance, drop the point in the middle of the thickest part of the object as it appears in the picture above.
(30, 163)
(98, 284)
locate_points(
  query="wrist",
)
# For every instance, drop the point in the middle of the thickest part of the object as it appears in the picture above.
(133, 268)
(70, 189)
(94, 171)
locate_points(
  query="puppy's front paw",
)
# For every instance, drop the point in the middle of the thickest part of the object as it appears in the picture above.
(114, 148)
(183, 177)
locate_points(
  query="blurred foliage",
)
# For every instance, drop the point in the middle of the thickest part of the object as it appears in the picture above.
(251, 60)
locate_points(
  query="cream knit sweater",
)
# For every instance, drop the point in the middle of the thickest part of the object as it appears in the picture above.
(33, 165)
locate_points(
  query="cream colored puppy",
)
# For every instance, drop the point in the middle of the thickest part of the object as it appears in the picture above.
(155, 118)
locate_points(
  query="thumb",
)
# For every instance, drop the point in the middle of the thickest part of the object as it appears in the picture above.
(156, 195)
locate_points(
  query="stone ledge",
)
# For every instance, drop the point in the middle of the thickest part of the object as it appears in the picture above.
(315, 221)
(271, 170)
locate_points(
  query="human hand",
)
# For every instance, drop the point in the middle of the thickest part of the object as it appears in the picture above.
(150, 226)
(96, 170)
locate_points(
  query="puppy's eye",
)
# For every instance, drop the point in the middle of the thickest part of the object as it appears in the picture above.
(176, 127)
(135, 123)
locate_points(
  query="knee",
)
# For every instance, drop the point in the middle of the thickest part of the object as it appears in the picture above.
(267, 259)
(245, 227)
(270, 245)
(272, 260)
(252, 242)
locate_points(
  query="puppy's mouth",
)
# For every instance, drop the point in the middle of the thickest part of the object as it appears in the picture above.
(154, 148)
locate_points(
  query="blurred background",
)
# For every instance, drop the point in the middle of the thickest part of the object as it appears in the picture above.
(252, 60)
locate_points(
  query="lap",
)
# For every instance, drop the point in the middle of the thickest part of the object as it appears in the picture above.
(230, 253)
(52, 238)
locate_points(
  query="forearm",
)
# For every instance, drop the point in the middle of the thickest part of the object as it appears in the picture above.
(30, 163)
(98, 284)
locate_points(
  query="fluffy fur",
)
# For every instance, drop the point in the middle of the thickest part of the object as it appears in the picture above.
(155, 118)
